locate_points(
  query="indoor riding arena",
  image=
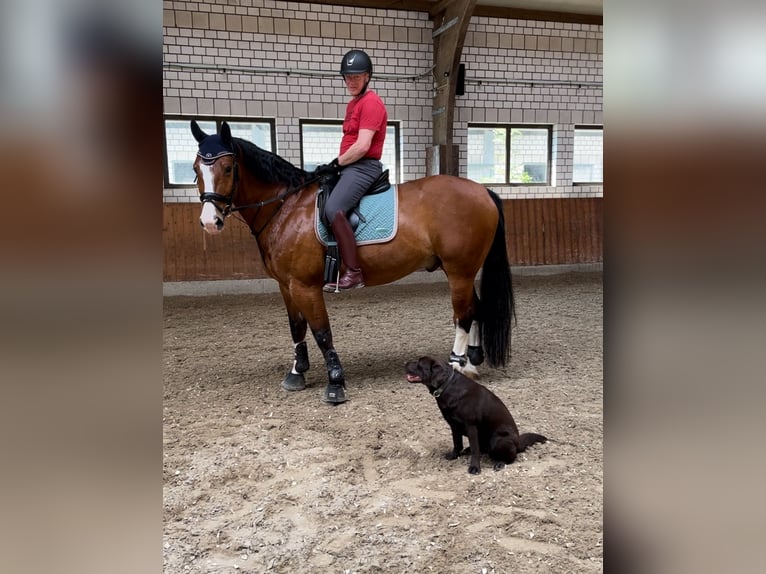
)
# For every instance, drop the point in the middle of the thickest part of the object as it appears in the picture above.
(258, 478)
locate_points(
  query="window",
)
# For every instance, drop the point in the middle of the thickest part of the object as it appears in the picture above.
(516, 154)
(181, 147)
(588, 162)
(320, 143)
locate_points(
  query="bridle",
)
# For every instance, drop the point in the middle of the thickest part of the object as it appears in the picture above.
(228, 200)
(210, 196)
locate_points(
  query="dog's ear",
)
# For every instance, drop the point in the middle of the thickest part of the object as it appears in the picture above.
(424, 366)
(439, 368)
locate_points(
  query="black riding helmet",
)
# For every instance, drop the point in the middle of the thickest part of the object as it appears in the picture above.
(355, 62)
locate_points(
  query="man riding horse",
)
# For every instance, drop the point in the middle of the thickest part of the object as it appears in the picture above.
(364, 132)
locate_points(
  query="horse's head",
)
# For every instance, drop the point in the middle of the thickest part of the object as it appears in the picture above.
(215, 168)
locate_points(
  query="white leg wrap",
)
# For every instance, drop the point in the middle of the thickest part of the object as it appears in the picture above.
(474, 337)
(460, 347)
(461, 341)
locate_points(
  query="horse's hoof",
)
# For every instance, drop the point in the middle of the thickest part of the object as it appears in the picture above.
(294, 382)
(335, 394)
(470, 371)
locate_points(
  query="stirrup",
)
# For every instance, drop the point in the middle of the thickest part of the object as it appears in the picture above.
(350, 274)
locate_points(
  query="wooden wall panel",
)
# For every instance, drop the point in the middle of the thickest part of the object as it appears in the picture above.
(190, 254)
(554, 231)
(538, 232)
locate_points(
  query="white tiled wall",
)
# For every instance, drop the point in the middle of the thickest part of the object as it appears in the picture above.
(240, 51)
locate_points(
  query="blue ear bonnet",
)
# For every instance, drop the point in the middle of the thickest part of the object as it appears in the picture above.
(212, 147)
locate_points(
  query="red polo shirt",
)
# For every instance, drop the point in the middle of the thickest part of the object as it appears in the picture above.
(365, 113)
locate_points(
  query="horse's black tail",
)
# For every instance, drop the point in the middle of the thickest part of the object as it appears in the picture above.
(496, 295)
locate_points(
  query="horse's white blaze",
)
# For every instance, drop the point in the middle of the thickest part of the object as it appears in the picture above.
(210, 213)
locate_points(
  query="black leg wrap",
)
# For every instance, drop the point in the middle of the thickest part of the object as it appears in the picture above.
(294, 382)
(476, 354)
(334, 369)
(459, 359)
(302, 357)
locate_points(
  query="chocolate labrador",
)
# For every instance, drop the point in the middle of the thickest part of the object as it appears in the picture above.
(471, 410)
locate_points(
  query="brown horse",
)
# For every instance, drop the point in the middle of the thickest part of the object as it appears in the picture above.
(444, 221)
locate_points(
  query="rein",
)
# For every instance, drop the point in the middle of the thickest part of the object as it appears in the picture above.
(279, 197)
(227, 200)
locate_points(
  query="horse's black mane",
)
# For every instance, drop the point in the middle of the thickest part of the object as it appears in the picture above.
(268, 166)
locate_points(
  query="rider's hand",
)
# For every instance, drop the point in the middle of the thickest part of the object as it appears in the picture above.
(332, 168)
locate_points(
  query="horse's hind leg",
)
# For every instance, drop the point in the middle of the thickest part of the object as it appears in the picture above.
(475, 348)
(464, 356)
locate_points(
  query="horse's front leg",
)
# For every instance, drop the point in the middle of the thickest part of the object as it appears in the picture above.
(335, 393)
(295, 380)
(310, 301)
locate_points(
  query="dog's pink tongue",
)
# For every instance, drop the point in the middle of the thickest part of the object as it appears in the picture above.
(413, 378)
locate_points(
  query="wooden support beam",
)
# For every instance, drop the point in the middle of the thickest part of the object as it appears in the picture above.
(440, 6)
(446, 26)
(450, 27)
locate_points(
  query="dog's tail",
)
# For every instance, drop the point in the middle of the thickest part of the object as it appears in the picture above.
(528, 439)
(496, 297)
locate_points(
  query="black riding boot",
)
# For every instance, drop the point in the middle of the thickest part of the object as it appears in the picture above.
(344, 235)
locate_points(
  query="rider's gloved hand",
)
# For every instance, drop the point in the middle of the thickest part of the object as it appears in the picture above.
(332, 168)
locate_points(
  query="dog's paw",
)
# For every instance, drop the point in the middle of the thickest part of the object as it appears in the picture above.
(499, 466)
(451, 455)
(474, 470)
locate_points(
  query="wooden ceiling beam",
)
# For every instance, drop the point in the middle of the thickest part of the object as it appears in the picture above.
(413, 6)
(544, 15)
(434, 7)
(439, 7)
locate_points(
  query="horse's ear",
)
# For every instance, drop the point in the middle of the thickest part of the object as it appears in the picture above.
(226, 135)
(197, 132)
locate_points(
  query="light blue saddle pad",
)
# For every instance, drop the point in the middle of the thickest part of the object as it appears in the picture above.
(381, 212)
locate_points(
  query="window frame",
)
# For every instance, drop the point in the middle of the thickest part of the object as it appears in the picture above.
(203, 118)
(325, 122)
(588, 127)
(508, 129)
